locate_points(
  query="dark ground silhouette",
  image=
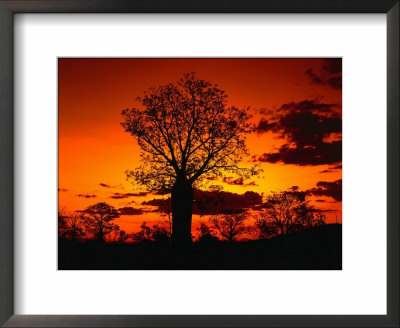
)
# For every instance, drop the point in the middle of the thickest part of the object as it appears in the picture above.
(318, 248)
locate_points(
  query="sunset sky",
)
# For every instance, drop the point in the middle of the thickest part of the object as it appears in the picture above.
(296, 105)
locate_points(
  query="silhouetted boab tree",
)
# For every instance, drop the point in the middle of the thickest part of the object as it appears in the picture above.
(186, 131)
(286, 212)
(97, 220)
(230, 225)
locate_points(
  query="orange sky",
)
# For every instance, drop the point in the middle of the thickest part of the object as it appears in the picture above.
(94, 149)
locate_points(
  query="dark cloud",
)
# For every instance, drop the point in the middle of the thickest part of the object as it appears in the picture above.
(105, 185)
(62, 190)
(333, 65)
(322, 153)
(237, 182)
(314, 78)
(118, 195)
(308, 105)
(332, 169)
(162, 192)
(307, 125)
(159, 202)
(335, 82)
(215, 202)
(306, 128)
(86, 196)
(330, 73)
(274, 123)
(330, 189)
(233, 181)
(265, 111)
(130, 211)
(265, 126)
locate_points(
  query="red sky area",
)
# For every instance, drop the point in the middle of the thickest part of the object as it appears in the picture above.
(296, 105)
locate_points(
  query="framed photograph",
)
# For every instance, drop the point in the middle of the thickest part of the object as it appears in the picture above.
(216, 185)
(203, 164)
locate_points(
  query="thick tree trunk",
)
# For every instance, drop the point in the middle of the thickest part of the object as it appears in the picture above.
(182, 205)
(100, 236)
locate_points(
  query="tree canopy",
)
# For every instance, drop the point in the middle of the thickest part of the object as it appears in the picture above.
(97, 220)
(287, 211)
(230, 225)
(186, 130)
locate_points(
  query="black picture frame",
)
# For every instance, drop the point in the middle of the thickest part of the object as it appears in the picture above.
(10, 7)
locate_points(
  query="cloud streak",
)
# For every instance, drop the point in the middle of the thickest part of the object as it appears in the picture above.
(118, 195)
(130, 211)
(331, 189)
(237, 182)
(86, 196)
(215, 202)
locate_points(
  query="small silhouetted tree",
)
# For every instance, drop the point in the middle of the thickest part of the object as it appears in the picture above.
(144, 234)
(155, 233)
(230, 225)
(122, 237)
(264, 228)
(286, 212)
(71, 226)
(307, 217)
(97, 220)
(206, 234)
(118, 236)
(186, 131)
(159, 233)
(62, 223)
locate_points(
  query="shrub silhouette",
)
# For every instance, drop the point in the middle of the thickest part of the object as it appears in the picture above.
(118, 236)
(206, 234)
(230, 225)
(155, 233)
